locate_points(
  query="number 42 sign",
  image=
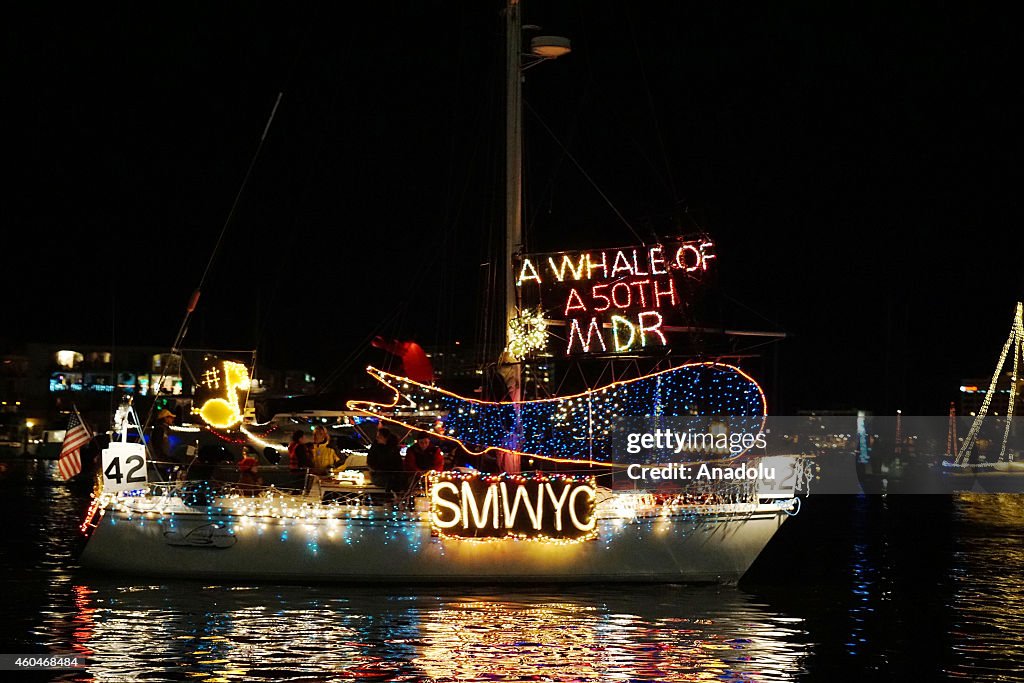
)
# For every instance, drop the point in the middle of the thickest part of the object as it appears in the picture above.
(124, 466)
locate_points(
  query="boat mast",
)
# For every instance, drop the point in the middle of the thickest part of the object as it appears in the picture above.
(542, 48)
(513, 159)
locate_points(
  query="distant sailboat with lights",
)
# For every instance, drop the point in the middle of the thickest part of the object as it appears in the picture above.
(976, 458)
(565, 505)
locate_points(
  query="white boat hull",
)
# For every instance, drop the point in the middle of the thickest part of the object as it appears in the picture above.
(709, 546)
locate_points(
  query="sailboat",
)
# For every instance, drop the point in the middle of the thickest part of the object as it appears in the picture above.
(559, 509)
(977, 459)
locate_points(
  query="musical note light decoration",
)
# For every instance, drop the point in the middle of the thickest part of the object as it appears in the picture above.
(224, 413)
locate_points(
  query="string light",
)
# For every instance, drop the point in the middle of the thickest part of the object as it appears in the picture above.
(224, 413)
(593, 330)
(187, 429)
(527, 333)
(1014, 344)
(92, 516)
(576, 428)
(684, 255)
(262, 443)
(348, 522)
(614, 300)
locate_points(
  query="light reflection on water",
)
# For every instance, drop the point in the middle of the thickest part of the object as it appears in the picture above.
(269, 632)
(988, 631)
(865, 613)
(211, 632)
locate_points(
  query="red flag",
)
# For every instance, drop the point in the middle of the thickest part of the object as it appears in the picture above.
(415, 362)
(77, 435)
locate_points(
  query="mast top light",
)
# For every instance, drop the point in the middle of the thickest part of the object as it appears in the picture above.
(550, 47)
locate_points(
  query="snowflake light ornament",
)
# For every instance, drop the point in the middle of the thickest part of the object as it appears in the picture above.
(527, 333)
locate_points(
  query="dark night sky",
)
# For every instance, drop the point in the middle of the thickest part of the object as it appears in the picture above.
(855, 162)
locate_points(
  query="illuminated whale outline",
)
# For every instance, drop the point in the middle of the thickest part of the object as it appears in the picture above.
(476, 421)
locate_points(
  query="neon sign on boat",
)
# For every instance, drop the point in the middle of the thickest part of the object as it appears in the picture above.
(615, 300)
(222, 382)
(546, 507)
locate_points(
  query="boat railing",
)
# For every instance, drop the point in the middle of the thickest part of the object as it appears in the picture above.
(312, 486)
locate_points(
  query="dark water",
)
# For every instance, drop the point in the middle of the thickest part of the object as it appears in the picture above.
(914, 587)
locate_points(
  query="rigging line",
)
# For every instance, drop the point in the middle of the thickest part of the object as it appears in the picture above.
(393, 320)
(600, 377)
(241, 189)
(220, 238)
(638, 144)
(227, 222)
(445, 312)
(113, 347)
(650, 102)
(549, 189)
(582, 171)
(303, 44)
(452, 221)
(561, 383)
(753, 347)
(333, 376)
(493, 255)
(485, 324)
(752, 310)
(452, 118)
(282, 273)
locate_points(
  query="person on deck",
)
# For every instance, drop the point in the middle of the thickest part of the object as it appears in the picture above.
(324, 457)
(423, 456)
(160, 444)
(298, 452)
(249, 479)
(385, 462)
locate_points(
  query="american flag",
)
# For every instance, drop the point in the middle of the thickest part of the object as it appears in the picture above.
(77, 435)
